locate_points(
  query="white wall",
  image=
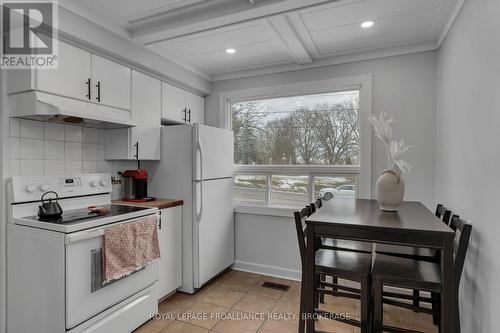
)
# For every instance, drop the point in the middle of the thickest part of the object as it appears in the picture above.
(468, 159)
(403, 86)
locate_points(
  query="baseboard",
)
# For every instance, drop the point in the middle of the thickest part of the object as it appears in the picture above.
(278, 272)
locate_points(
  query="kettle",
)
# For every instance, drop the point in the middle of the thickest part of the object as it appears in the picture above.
(50, 209)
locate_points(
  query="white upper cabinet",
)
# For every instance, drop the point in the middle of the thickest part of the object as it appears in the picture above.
(111, 83)
(80, 75)
(181, 106)
(146, 113)
(196, 109)
(72, 78)
(142, 141)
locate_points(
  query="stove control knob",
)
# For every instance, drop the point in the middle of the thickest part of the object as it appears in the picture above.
(30, 188)
(44, 187)
(104, 183)
(94, 183)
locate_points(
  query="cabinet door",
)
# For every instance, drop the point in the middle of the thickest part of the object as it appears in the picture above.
(71, 77)
(173, 103)
(110, 83)
(196, 107)
(146, 113)
(170, 238)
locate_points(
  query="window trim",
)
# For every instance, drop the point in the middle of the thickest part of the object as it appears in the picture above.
(363, 83)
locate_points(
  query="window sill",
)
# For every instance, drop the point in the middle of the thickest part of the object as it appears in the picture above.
(281, 211)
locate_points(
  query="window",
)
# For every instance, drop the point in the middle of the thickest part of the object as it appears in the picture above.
(291, 149)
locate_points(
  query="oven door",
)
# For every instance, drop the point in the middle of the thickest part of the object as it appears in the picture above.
(86, 296)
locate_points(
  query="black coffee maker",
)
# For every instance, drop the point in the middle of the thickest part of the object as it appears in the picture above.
(135, 185)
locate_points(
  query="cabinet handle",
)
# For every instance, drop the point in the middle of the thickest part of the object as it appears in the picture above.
(159, 222)
(185, 116)
(88, 88)
(98, 86)
(189, 114)
(136, 145)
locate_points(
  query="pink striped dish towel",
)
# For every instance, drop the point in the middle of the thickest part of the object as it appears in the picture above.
(128, 247)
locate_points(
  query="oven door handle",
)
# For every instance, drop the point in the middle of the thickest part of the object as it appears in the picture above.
(83, 236)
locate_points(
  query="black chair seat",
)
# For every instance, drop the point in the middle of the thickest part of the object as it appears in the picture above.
(342, 244)
(409, 252)
(401, 272)
(343, 263)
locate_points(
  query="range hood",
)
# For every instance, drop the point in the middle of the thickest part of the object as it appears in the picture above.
(43, 106)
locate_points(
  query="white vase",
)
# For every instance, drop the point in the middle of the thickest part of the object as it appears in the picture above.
(390, 189)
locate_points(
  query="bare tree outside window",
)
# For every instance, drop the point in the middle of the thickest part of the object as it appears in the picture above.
(301, 130)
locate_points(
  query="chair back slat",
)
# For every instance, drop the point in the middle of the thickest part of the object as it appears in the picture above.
(319, 203)
(439, 210)
(447, 217)
(313, 207)
(461, 243)
(299, 216)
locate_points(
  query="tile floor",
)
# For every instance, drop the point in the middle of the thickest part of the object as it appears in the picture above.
(236, 303)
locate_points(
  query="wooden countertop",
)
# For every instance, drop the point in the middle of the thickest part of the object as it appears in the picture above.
(159, 203)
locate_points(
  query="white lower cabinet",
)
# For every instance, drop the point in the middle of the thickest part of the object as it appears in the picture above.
(170, 238)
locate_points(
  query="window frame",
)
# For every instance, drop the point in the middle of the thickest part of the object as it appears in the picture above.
(362, 172)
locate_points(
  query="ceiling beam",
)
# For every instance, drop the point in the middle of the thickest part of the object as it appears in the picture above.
(283, 28)
(220, 15)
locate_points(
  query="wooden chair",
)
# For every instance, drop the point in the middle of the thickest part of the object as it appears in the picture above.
(416, 253)
(352, 266)
(338, 244)
(417, 275)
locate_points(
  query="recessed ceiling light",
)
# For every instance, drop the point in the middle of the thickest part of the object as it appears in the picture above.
(230, 51)
(366, 24)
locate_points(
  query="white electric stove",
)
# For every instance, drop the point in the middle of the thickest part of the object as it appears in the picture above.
(55, 266)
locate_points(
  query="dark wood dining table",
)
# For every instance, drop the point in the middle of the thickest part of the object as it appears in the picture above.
(362, 220)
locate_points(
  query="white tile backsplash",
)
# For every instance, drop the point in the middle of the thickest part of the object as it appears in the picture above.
(90, 166)
(31, 168)
(31, 129)
(90, 152)
(53, 167)
(73, 133)
(31, 149)
(15, 167)
(90, 135)
(54, 132)
(15, 127)
(73, 151)
(53, 150)
(14, 148)
(73, 167)
(41, 148)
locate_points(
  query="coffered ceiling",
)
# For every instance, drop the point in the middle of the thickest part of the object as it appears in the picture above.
(273, 35)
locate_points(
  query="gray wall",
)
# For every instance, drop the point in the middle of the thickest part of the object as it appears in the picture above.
(403, 86)
(467, 141)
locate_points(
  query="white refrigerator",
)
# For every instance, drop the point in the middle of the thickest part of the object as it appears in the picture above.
(197, 167)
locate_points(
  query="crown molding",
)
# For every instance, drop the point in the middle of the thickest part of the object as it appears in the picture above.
(454, 14)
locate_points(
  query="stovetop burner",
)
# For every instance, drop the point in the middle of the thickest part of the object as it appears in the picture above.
(82, 215)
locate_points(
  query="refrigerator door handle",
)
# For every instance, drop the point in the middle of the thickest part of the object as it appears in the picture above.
(200, 149)
(198, 213)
